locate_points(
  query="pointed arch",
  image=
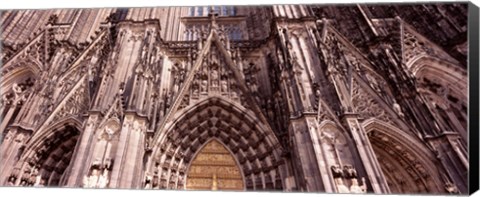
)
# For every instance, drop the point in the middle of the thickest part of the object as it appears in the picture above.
(215, 162)
(408, 164)
(444, 72)
(19, 72)
(254, 146)
(444, 86)
(45, 159)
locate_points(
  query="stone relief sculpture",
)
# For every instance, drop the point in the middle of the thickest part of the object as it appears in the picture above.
(296, 101)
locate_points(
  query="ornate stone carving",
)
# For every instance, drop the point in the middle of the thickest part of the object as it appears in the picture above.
(367, 106)
(214, 167)
(347, 177)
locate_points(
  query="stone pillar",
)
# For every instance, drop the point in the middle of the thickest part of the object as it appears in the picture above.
(127, 168)
(7, 118)
(79, 166)
(9, 149)
(309, 176)
(323, 167)
(367, 155)
(452, 157)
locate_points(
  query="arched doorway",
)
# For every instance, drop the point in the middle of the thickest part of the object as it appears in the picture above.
(233, 126)
(214, 168)
(46, 163)
(407, 164)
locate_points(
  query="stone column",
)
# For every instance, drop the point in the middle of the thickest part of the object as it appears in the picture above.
(127, 168)
(453, 159)
(322, 162)
(367, 155)
(82, 152)
(309, 176)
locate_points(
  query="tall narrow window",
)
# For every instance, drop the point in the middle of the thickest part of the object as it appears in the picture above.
(209, 8)
(199, 11)
(192, 11)
(224, 11)
(216, 9)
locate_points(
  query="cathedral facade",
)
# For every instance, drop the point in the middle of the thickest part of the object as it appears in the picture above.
(311, 98)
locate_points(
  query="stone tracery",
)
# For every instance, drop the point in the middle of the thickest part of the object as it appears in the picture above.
(281, 87)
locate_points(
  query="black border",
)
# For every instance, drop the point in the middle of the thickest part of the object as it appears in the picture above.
(474, 86)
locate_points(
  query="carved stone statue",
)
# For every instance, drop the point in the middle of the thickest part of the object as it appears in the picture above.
(214, 78)
(451, 188)
(224, 85)
(6, 99)
(336, 171)
(92, 180)
(17, 90)
(11, 181)
(39, 182)
(148, 182)
(103, 179)
(203, 86)
(356, 188)
(349, 172)
(398, 109)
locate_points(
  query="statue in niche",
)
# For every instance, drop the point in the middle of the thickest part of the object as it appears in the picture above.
(180, 179)
(92, 180)
(144, 51)
(6, 99)
(148, 143)
(20, 137)
(148, 182)
(203, 86)
(99, 176)
(40, 182)
(17, 89)
(103, 179)
(443, 92)
(169, 98)
(155, 182)
(195, 88)
(339, 175)
(8, 136)
(349, 172)
(398, 109)
(214, 77)
(451, 188)
(224, 85)
(11, 181)
(356, 188)
(373, 82)
(336, 171)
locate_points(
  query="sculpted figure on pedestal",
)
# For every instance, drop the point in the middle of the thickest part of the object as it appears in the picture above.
(103, 179)
(356, 188)
(398, 109)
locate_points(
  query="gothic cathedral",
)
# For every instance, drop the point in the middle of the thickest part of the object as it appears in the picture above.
(310, 98)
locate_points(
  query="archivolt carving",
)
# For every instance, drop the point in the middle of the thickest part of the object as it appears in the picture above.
(44, 161)
(415, 47)
(255, 150)
(408, 167)
(366, 105)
